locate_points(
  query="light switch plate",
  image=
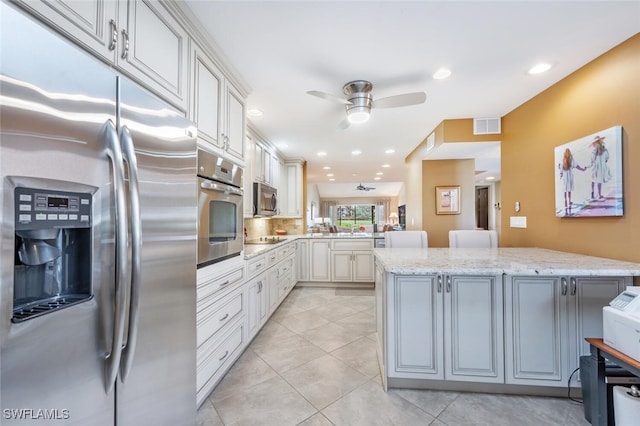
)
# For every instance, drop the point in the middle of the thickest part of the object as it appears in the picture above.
(518, 221)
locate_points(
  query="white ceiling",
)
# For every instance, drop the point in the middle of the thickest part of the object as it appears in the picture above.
(283, 49)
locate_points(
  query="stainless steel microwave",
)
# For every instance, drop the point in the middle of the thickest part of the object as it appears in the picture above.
(265, 200)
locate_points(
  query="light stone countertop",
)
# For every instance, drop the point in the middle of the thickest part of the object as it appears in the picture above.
(253, 250)
(511, 261)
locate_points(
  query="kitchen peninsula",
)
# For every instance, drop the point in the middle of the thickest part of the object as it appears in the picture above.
(495, 320)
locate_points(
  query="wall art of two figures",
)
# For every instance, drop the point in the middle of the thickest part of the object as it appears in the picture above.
(588, 178)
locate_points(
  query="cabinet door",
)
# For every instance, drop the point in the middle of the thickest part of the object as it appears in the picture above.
(258, 162)
(473, 335)
(363, 266)
(342, 266)
(154, 49)
(263, 300)
(274, 290)
(302, 259)
(253, 307)
(206, 108)
(536, 331)
(587, 297)
(293, 179)
(381, 318)
(319, 260)
(415, 328)
(235, 126)
(90, 23)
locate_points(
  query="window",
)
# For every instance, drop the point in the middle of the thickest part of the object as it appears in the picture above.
(355, 215)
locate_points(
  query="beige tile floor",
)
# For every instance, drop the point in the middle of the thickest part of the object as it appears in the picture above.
(315, 363)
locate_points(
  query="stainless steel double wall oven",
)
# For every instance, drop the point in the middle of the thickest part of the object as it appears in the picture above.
(220, 225)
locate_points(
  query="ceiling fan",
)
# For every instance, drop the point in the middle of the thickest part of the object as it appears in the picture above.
(364, 188)
(359, 101)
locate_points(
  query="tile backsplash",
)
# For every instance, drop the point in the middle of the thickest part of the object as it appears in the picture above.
(260, 227)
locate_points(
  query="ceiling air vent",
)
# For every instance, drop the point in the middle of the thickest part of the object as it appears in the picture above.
(486, 126)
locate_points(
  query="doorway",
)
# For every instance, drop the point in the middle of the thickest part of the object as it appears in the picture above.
(482, 207)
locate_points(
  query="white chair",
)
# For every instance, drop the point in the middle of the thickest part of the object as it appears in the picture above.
(406, 239)
(473, 239)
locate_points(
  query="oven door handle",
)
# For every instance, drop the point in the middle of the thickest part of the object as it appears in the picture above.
(220, 187)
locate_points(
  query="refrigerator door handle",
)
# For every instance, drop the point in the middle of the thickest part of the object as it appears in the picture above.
(114, 153)
(129, 346)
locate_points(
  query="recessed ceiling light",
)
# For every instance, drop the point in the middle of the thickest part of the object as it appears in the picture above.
(386, 165)
(376, 178)
(326, 168)
(329, 174)
(379, 173)
(354, 174)
(322, 154)
(539, 68)
(254, 112)
(490, 178)
(332, 180)
(442, 73)
(390, 151)
(356, 152)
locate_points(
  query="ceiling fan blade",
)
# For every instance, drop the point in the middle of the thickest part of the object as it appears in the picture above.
(400, 100)
(329, 97)
(343, 125)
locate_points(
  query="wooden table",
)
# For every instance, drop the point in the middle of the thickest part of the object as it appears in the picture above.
(601, 415)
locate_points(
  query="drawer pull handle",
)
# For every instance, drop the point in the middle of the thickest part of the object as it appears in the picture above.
(223, 356)
(225, 283)
(258, 265)
(225, 317)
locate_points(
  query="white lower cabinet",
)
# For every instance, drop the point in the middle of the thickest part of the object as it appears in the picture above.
(352, 266)
(352, 260)
(546, 321)
(235, 300)
(445, 327)
(302, 260)
(319, 260)
(258, 304)
(220, 321)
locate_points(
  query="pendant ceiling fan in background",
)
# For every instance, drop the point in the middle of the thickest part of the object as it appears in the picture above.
(361, 187)
(359, 101)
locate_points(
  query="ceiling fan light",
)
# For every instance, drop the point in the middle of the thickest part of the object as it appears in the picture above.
(357, 115)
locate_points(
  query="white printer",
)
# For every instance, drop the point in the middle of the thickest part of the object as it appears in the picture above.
(621, 323)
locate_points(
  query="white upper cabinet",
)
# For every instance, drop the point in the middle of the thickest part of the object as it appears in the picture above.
(217, 109)
(291, 195)
(154, 49)
(140, 38)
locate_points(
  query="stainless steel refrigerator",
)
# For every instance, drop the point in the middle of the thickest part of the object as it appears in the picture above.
(98, 249)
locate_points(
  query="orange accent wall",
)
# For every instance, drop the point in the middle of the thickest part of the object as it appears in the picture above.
(602, 94)
(447, 173)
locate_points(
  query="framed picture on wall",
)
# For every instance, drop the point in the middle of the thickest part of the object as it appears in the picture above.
(588, 178)
(447, 200)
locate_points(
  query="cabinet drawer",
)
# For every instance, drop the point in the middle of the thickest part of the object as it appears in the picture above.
(285, 267)
(272, 257)
(256, 265)
(211, 286)
(285, 251)
(216, 314)
(284, 286)
(362, 244)
(215, 353)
